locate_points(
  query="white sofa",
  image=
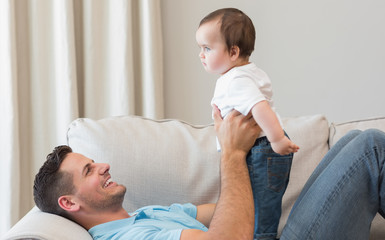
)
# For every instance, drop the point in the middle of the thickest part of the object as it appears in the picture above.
(167, 161)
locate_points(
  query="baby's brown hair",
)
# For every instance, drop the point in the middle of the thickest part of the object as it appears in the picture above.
(237, 29)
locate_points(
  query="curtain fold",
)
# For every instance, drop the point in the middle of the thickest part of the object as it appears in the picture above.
(109, 61)
(9, 131)
(151, 58)
(65, 59)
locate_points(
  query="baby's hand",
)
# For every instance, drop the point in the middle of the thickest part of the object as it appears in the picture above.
(284, 146)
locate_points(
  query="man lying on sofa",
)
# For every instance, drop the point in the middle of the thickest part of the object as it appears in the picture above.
(339, 200)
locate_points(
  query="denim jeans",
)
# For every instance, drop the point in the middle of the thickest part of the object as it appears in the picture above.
(269, 176)
(345, 191)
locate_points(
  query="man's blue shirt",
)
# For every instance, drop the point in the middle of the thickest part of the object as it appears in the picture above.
(152, 222)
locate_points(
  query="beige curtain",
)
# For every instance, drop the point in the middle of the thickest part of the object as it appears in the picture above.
(64, 59)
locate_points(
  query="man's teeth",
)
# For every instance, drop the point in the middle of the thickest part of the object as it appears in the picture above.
(107, 182)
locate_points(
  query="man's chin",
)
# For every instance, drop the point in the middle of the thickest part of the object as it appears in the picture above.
(117, 199)
(122, 186)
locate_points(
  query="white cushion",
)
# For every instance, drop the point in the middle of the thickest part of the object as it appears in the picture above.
(310, 133)
(160, 162)
(337, 130)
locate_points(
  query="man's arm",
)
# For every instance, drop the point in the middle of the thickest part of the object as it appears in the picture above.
(205, 213)
(234, 213)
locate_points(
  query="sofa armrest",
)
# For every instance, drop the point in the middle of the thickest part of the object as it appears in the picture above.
(40, 225)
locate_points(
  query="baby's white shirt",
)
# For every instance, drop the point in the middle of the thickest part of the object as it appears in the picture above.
(240, 89)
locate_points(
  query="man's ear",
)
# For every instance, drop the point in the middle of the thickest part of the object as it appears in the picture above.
(68, 204)
(234, 53)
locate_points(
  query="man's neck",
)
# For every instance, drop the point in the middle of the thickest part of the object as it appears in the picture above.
(89, 220)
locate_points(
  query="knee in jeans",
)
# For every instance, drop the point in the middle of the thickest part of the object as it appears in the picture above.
(373, 132)
(373, 137)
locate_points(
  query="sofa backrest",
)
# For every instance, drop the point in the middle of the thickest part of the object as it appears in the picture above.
(169, 161)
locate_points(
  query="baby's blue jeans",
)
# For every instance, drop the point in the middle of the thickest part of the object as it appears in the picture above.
(346, 190)
(269, 176)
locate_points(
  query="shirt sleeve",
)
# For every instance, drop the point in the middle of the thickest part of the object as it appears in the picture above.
(244, 94)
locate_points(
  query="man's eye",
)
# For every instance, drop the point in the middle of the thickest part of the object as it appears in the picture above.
(88, 171)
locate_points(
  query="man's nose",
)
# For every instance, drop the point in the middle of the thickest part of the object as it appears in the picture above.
(103, 168)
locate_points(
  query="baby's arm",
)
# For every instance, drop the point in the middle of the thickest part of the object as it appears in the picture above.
(268, 121)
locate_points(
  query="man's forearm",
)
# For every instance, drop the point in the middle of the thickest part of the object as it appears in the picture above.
(234, 214)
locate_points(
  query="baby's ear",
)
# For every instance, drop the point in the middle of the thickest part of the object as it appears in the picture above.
(234, 52)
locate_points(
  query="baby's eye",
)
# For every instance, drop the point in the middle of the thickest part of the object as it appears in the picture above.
(207, 49)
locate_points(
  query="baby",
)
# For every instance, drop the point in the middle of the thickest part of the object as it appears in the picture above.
(226, 39)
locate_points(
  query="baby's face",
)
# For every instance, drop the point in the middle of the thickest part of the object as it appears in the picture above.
(213, 54)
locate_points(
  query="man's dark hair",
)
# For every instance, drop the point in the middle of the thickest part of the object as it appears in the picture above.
(50, 183)
(237, 29)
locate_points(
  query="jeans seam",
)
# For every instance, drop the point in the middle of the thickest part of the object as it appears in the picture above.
(285, 161)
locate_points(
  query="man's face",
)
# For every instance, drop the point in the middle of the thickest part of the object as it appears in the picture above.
(94, 186)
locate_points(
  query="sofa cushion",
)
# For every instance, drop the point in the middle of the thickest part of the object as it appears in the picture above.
(337, 130)
(311, 134)
(160, 162)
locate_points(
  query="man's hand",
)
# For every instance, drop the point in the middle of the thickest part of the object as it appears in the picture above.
(236, 132)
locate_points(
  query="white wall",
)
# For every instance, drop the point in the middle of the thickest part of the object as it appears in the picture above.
(323, 57)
